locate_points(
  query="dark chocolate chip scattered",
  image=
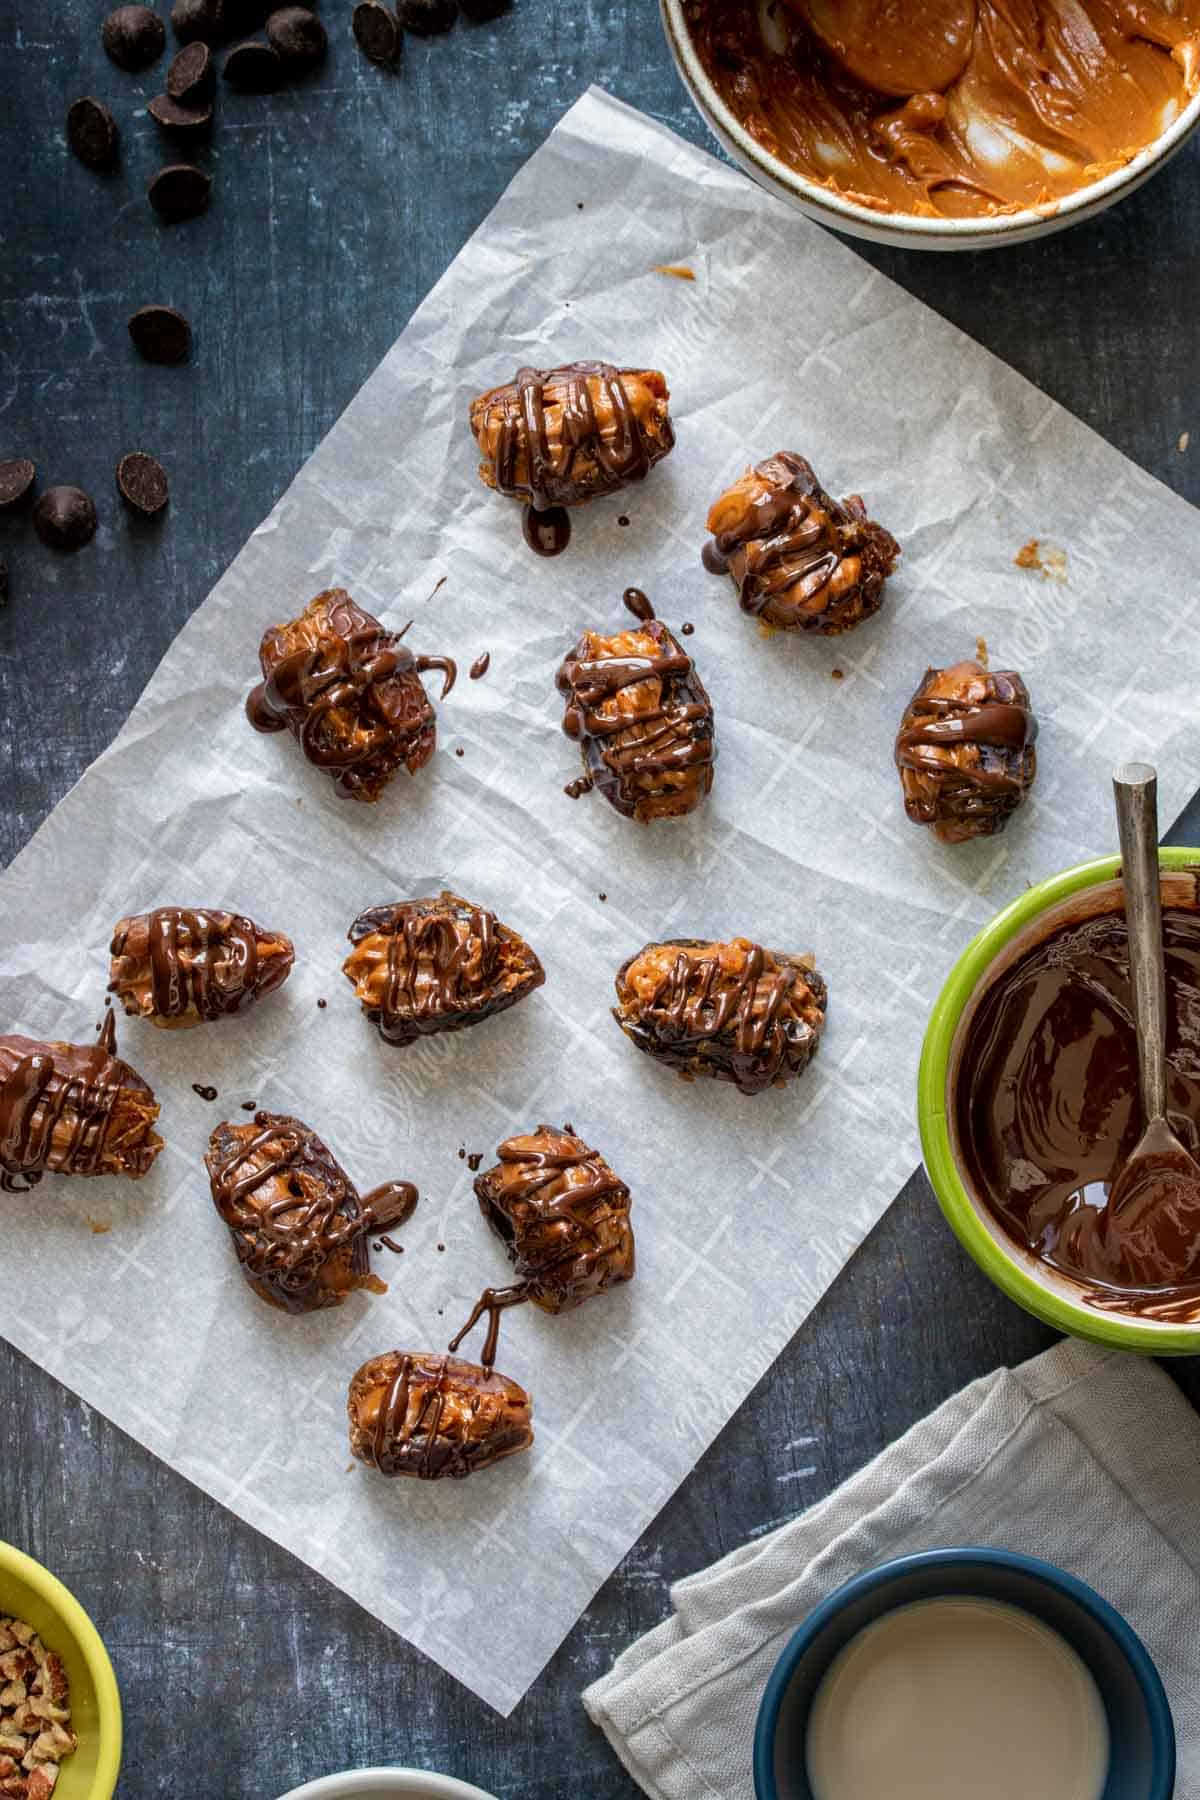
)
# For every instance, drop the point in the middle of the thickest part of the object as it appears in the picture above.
(298, 38)
(479, 10)
(142, 483)
(17, 476)
(134, 37)
(92, 134)
(244, 16)
(253, 68)
(686, 630)
(198, 21)
(161, 334)
(622, 520)
(184, 122)
(322, 1004)
(376, 32)
(191, 76)
(427, 17)
(64, 518)
(205, 1091)
(178, 192)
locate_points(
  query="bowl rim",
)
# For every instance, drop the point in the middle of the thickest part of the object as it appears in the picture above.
(1144, 1669)
(62, 1601)
(341, 1785)
(847, 215)
(1052, 1307)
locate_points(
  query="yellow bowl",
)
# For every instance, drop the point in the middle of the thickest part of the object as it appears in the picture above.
(29, 1592)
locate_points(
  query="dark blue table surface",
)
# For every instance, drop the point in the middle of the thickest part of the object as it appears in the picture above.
(336, 206)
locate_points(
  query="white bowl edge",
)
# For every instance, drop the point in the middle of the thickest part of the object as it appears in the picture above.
(906, 230)
(403, 1784)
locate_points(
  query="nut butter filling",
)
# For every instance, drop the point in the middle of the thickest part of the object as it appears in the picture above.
(1054, 95)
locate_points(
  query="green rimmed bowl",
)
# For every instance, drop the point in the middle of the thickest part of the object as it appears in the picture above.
(1077, 894)
(30, 1592)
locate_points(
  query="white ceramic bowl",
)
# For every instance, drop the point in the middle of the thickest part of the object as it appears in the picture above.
(387, 1784)
(905, 229)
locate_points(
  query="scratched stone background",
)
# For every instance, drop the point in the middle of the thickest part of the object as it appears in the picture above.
(336, 206)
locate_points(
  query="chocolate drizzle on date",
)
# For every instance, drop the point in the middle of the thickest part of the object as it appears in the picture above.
(419, 1414)
(564, 1217)
(801, 561)
(555, 438)
(72, 1109)
(733, 1011)
(298, 1224)
(642, 718)
(965, 750)
(420, 967)
(349, 692)
(181, 965)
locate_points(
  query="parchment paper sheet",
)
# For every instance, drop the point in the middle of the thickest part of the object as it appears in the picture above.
(745, 1209)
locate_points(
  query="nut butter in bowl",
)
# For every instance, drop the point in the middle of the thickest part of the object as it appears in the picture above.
(1028, 1106)
(993, 123)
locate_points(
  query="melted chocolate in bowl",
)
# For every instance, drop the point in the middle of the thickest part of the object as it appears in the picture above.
(1054, 95)
(1045, 1106)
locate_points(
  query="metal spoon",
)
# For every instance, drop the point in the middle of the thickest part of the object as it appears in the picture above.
(900, 47)
(1161, 1174)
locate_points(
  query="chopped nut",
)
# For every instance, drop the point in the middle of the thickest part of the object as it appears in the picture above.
(35, 1734)
(54, 1679)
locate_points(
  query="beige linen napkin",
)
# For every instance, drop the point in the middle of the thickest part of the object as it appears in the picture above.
(1088, 1458)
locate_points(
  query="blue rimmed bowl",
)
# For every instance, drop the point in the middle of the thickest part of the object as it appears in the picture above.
(1141, 1734)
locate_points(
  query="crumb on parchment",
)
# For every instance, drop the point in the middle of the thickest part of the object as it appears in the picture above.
(680, 271)
(1048, 561)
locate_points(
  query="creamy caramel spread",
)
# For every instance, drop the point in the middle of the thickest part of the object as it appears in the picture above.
(1053, 95)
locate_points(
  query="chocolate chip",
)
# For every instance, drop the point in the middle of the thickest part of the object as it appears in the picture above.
(161, 334)
(376, 32)
(427, 17)
(198, 21)
(17, 476)
(134, 37)
(64, 518)
(244, 16)
(298, 37)
(142, 483)
(253, 68)
(191, 76)
(187, 123)
(92, 134)
(179, 191)
(479, 10)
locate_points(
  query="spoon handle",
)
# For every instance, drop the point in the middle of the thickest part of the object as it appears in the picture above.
(1135, 787)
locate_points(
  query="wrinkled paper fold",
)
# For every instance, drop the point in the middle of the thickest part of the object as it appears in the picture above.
(745, 1209)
